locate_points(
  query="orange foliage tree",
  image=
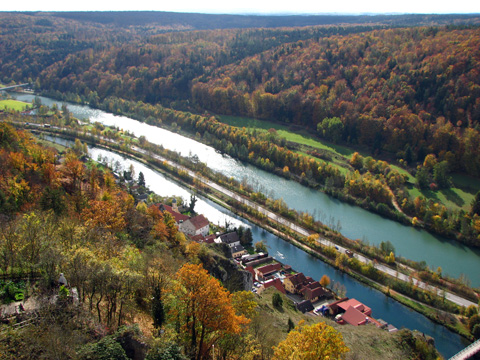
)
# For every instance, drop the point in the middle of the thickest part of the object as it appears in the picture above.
(204, 310)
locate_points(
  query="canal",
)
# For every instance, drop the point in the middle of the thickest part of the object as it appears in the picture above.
(355, 223)
(447, 342)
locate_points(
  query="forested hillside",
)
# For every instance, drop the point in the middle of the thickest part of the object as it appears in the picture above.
(409, 95)
(392, 89)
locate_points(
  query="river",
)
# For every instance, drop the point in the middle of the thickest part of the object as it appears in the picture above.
(355, 223)
(447, 342)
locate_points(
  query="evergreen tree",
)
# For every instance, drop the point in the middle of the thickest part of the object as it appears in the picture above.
(277, 300)
(158, 311)
(141, 179)
(476, 204)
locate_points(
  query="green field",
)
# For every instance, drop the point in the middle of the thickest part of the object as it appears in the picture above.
(13, 105)
(301, 137)
(458, 197)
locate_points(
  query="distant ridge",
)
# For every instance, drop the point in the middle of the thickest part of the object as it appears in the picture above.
(197, 21)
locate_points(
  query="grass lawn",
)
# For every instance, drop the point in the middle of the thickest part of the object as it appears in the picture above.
(365, 342)
(13, 104)
(302, 137)
(455, 198)
(458, 197)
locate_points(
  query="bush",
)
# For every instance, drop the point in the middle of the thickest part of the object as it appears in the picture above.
(105, 349)
(277, 300)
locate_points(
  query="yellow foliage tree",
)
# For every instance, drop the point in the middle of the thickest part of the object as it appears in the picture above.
(311, 342)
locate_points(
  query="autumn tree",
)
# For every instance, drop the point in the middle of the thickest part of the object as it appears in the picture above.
(203, 309)
(260, 247)
(325, 281)
(311, 342)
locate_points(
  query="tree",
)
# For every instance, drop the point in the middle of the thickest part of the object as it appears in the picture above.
(158, 310)
(193, 201)
(246, 238)
(422, 177)
(141, 179)
(473, 320)
(260, 247)
(290, 325)
(476, 205)
(476, 331)
(387, 247)
(311, 342)
(470, 311)
(204, 310)
(440, 174)
(170, 352)
(105, 349)
(277, 300)
(331, 129)
(325, 281)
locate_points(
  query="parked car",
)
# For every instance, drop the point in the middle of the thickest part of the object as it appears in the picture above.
(349, 253)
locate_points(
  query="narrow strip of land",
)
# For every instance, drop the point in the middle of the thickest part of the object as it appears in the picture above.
(298, 229)
(305, 232)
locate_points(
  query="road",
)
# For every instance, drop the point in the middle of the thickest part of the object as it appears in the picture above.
(300, 230)
(272, 216)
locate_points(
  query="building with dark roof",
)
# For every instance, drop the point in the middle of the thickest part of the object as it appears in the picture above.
(231, 239)
(238, 251)
(305, 306)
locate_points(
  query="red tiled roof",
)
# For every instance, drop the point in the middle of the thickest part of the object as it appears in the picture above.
(210, 239)
(198, 238)
(297, 279)
(354, 317)
(355, 304)
(199, 221)
(314, 293)
(277, 283)
(176, 215)
(267, 269)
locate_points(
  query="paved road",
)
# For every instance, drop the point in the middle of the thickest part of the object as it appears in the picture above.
(394, 273)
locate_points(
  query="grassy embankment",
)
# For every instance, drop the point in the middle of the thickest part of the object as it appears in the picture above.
(458, 197)
(365, 342)
(13, 105)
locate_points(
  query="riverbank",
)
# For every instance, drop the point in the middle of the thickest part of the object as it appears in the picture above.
(271, 227)
(458, 263)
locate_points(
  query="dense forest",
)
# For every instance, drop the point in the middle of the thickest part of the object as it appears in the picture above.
(392, 89)
(409, 94)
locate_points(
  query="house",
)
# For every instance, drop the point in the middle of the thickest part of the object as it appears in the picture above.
(252, 271)
(195, 226)
(295, 283)
(238, 251)
(179, 218)
(277, 283)
(231, 239)
(316, 294)
(305, 306)
(345, 305)
(356, 318)
(265, 271)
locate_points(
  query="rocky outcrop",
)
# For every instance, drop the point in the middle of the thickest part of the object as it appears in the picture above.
(232, 276)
